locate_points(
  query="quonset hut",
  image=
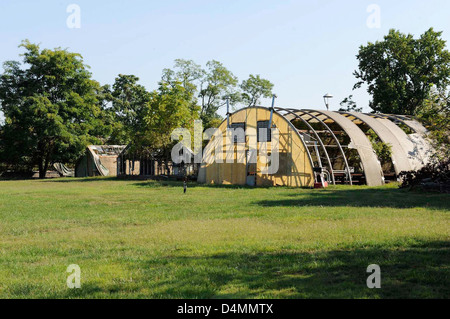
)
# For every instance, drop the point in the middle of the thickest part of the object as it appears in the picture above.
(99, 160)
(316, 145)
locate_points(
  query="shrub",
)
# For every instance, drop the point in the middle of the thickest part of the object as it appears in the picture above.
(432, 177)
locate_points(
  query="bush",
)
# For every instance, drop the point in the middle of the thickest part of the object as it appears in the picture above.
(383, 150)
(433, 177)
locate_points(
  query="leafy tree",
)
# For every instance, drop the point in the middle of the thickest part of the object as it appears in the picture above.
(51, 107)
(217, 84)
(383, 150)
(255, 88)
(435, 114)
(129, 103)
(400, 70)
(2, 151)
(187, 72)
(209, 87)
(169, 108)
(348, 105)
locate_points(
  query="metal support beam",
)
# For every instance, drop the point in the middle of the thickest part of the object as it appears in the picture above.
(271, 110)
(228, 112)
(336, 140)
(318, 138)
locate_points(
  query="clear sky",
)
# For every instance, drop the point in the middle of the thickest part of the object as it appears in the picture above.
(306, 48)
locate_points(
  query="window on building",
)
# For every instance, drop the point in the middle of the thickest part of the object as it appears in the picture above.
(238, 138)
(264, 137)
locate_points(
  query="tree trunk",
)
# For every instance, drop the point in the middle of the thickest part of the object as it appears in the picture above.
(42, 171)
(43, 167)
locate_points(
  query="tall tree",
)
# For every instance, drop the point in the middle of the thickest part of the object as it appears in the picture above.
(129, 102)
(186, 72)
(254, 88)
(218, 84)
(2, 151)
(170, 107)
(209, 87)
(51, 107)
(435, 114)
(400, 70)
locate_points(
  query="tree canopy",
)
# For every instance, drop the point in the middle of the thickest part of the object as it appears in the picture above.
(129, 101)
(212, 85)
(348, 105)
(435, 114)
(170, 107)
(400, 71)
(51, 107)
(254, 89)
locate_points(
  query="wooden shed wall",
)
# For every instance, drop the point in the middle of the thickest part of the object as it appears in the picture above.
(295, 169)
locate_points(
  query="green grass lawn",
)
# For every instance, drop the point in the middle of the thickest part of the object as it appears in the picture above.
(140, 239)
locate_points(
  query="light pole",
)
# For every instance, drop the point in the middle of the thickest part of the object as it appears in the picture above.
(326, 99)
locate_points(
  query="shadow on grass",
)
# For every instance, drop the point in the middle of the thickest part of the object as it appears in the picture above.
(420, 270)
(153, 184)
(80, 179)
(357, 197)
(293, 197)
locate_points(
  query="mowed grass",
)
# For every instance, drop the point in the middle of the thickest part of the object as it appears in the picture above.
(140, 239)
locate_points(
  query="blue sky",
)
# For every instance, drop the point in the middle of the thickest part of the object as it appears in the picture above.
(306, 48)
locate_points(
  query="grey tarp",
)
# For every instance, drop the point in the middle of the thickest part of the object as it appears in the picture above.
(63, 170)
(102, 170)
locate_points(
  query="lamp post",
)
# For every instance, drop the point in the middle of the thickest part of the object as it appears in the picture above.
(326, 99)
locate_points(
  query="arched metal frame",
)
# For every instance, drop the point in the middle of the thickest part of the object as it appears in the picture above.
(298, 133)
(399, 155)
(408, 144)
(421, 144)
(416, 126)
(345, 120)
(201, 177)
(317, 136)
(418, 148)
(295, 129)
(371, 166)
(309, 112)
(392, 118)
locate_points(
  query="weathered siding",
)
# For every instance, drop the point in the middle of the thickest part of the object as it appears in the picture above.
(295, 169)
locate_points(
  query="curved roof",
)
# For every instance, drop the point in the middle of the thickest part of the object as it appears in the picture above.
(399, 155)
(371, 164)
(409, 151)
(302, 176)
(422, 149)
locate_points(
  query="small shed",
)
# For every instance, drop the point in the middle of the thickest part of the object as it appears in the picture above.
(99, 160)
